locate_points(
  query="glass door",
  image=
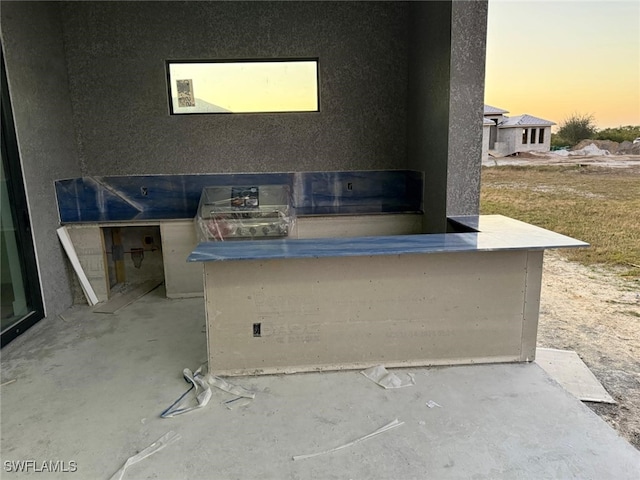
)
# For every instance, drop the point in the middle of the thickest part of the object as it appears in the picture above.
(21, 300)
(14, 300)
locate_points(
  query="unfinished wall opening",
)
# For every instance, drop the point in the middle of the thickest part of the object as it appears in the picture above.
(235, 86)
(133, 256)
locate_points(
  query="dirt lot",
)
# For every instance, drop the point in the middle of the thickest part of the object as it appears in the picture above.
(608, 161)
(596, 313)
(593, 310)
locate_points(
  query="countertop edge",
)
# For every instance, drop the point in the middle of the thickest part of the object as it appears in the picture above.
(494, 233)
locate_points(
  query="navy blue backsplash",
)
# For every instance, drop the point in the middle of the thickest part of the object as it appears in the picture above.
(157, 197)
(330, 193)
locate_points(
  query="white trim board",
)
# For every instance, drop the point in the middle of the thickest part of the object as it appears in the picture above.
(566, 368)
(65, 239)
(120, 301)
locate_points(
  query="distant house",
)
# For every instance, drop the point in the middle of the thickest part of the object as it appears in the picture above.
(504, 135)
(492, 117)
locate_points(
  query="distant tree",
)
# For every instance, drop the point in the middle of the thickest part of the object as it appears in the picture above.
(557, 142)
(577, 127)
(620, 134)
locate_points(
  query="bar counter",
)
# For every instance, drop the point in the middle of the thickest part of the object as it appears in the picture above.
(312, 304)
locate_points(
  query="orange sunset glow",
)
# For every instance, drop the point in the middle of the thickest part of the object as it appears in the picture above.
(553, 59)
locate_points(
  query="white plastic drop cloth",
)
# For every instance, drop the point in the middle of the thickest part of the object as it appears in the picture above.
(387, 379)
(201, 384)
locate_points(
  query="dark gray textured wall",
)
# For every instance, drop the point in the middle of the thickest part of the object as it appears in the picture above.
(445, 105)
(116, 53)
(428, 105)
(38, 85)
(466, 106)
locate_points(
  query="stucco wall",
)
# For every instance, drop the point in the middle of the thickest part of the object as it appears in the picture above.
(507, 139)
(512, 139)
(545, 146)
(486, 133)
(38, 85)
(100, 67)
(428, 114)
(116, 53)
(466, 106)
(446, 105)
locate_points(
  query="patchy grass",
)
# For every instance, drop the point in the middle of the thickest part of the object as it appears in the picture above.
(594, 204)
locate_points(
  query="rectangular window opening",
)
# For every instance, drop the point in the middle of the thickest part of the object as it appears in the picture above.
(247, 86)
(533, 136)
(524, 136)
(541, 136)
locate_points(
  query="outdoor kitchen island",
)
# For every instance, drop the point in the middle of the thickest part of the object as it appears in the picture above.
(295, 305)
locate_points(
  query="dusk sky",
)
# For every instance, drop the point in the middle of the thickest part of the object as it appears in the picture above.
(250, 86)
(551, 59)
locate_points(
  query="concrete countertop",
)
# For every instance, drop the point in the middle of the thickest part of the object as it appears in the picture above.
(492, 232)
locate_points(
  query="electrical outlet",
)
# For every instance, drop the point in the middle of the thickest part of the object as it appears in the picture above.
(257, 329)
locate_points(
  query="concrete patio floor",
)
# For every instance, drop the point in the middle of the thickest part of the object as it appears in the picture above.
(90, 387)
